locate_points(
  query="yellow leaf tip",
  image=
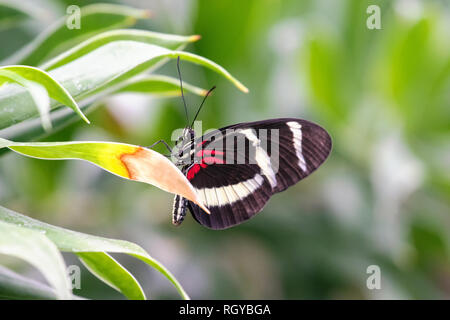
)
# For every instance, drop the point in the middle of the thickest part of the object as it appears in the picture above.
(195, 37)
(83, 116)
(242, 87)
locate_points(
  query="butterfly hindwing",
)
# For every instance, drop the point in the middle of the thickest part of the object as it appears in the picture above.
(233, 193)
(239, 167)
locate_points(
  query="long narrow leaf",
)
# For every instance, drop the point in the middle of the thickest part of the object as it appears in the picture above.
(15, 286)
(76, 242)
(37, 92)
(35, 248)
(107, 70)
(158, 85)
(210, 65)
(107, 269)
(124, 160)
(32, 130)
(169, 41)
(54, 89)
(153, 85)
(98, 73)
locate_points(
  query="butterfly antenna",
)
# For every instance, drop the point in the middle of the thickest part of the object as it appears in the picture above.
(200, 108)
(181, 86)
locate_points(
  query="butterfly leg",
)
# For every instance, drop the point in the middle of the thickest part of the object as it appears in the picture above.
(163, 142)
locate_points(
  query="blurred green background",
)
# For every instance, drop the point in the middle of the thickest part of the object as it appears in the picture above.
(382, 198)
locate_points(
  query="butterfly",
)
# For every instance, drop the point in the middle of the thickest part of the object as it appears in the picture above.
(236, 169)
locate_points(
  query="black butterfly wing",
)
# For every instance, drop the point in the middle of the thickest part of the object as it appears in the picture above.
(232, 192)
(276, 154)
(298, 149)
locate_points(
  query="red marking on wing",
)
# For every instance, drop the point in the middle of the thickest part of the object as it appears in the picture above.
(203, 153)
(194, 170)
(209, 159)
(212, 160)
(201, 143)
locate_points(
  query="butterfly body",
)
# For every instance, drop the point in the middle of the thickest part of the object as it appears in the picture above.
(179, 209)
(236, 169)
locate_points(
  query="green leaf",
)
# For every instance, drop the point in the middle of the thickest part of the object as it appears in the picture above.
(210, 65)
(36, 91)
(54, 89)
(76, 242)
(32, 129)
(94, 19)
(158, 85)
(168, 41)
(124, 160)
(35, 248)
(104, 267)
(154, 85)
(99, 72)
(15, 286)
(5, 143)
(112, 64)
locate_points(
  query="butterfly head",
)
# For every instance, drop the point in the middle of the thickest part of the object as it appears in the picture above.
(182, 151)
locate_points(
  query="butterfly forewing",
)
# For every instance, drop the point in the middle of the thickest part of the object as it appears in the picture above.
(239, 167)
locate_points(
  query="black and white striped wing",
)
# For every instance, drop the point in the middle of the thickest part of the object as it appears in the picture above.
(235, 180)
(232, 193)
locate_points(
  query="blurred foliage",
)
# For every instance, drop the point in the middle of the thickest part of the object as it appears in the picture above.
(382, 198)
